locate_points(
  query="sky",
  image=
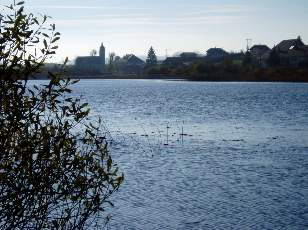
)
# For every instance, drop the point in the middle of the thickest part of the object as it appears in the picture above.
(170, 26)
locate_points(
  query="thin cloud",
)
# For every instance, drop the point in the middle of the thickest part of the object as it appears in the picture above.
(224, 9)
(114, 16)
(76, 7)
(148, 21)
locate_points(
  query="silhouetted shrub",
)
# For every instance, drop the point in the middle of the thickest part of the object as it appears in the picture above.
(55, 168)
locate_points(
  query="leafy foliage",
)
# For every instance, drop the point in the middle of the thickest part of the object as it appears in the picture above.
(247, 59)
(93, 53)
(55, 168)
(273, 60)
(151, 59)
(111, 61)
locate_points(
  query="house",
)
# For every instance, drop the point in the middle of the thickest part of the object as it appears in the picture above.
(292, 52)
(259, 54)
(130, 64)
(188, 58)
(286, 45)
(133, 60)
(188, 55)
(185, 58)
(259, 50)
(216, 55)
(92, 64)
(173, 61)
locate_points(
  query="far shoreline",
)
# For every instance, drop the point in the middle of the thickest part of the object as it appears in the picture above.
(168, 78)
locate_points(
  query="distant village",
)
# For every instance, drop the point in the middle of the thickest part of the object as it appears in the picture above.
(288, 54)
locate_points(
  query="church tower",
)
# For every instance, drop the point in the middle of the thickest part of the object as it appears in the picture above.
(102, 53)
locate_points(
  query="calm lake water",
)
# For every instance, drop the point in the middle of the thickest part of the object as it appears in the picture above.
(242, 162)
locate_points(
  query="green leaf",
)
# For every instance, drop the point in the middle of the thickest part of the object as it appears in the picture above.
(45, 44)
(21, 9)
(45, 35)
(36, 21)
(55, 39)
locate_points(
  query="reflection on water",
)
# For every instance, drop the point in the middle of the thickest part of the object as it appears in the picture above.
(206, 155)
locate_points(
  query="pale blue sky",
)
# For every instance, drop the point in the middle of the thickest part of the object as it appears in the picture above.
(132, 26)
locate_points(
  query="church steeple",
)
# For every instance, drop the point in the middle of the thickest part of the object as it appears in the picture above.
(102, 52)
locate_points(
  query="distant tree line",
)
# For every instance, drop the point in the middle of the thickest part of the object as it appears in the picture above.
(234, 67)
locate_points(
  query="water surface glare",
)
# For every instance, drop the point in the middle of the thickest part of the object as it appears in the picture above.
(206, 155)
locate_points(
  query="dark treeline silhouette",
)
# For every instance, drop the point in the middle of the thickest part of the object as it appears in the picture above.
(288, 61)
(228, 71)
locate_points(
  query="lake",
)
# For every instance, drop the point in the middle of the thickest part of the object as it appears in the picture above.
(200, 155)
